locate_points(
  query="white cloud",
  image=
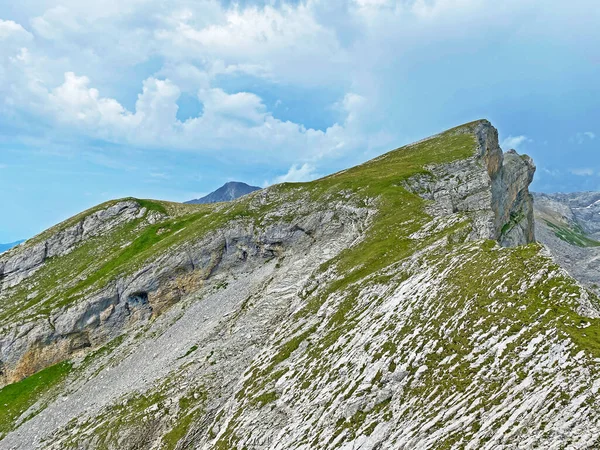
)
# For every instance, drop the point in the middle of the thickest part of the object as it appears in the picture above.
(285, 43)
(74, 102)
(583, 172)
(186, 76)
(297, 173)
(10, 30)
(550, 172)
(514, 142)
(582, 137)
(241, 106)
(56, 23)
(159, 175)
(80, 63)
(237, 122)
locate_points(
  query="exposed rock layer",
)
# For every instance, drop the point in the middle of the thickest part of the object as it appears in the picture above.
(19, 263)
(491, 187)
(133, 299)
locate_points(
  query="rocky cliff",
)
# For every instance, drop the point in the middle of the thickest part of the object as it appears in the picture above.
(491, 187)
(397, 304)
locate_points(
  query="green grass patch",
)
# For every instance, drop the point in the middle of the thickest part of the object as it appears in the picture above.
(266, 398)
(191, 350)
(16, 398)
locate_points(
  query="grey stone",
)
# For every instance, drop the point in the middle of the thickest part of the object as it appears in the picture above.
(491, 187)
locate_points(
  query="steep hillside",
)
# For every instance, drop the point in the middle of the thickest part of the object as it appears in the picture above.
(226, 193)
(398, 304)
(569, 225)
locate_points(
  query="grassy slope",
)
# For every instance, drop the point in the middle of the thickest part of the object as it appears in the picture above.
(16, 398)
(92, 265)
(401, 214)
(550, 303)
(63, 280)
(101, 259)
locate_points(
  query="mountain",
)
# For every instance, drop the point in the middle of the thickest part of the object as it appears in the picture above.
(399, 304)
(4, 247)
(226, 193)
(569, 226)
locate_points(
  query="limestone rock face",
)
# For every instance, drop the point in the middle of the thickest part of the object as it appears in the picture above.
(512, 202)
(132, 300)
(18, 264)
(582, 208)
(490, 187)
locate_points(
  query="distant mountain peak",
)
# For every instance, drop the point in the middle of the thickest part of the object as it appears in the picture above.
(226, 193)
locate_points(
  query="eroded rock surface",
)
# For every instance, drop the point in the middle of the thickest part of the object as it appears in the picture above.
(18, 264)
(30, 345)
(491, 187)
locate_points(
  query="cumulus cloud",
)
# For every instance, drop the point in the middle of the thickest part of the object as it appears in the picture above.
(80, 64)
(251, 40)
(238, 122)
(242, 106)
(297, 173)
(56, 23)
(514, 142)
(10, 30)
(285, 43)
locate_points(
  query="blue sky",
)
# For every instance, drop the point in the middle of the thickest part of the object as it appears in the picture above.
(170, 100)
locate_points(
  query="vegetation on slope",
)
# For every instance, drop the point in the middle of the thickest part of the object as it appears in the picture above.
(378, 183)
(17, 398)
(92, 265)
(513, 295)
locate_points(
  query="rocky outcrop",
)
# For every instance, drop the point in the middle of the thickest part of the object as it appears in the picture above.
(491, 187)
(581, 208)
(20, 263)
(133, 299)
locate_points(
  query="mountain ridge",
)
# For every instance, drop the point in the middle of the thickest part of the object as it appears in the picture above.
(401, 303)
